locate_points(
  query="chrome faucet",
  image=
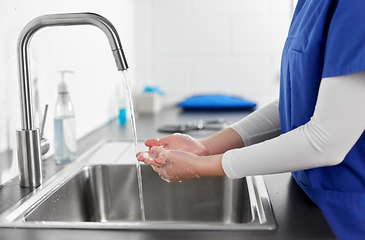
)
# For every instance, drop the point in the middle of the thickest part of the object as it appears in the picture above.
(30, 145)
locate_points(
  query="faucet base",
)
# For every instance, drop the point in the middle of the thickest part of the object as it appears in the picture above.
(29, 157)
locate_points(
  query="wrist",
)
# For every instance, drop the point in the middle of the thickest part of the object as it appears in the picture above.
(210, 166)
(223, 141)
(205, 146)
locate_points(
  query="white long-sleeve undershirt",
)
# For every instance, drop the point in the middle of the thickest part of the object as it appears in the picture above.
(336, 125)
(259, 126)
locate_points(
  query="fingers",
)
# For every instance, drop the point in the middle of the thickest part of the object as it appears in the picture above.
(162, 142)
(158, 150)
(160, 155)
(145, 157)
(155, 156)
(155, 142)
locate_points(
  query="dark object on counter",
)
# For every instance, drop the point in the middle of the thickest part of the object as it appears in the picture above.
(216, 102)
(199, 124)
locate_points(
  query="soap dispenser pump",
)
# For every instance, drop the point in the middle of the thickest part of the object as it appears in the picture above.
(64, 125)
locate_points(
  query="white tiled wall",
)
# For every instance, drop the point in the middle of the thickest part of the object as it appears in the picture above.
(213, 46)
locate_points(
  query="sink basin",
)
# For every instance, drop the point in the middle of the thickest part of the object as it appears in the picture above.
(106, 196)
(110, 193)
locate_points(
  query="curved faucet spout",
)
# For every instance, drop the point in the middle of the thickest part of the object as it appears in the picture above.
(28, 139)
(54, 20)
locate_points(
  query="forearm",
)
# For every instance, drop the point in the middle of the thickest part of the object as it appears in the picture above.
(222, 141)
(337, 123)
(261, 125)
(210, 166)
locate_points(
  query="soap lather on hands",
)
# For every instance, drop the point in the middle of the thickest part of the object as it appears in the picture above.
(174, 157)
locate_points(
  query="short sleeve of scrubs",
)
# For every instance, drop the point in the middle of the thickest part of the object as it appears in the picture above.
(345, 46)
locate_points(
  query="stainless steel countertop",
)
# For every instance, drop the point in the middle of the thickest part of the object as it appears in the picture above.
(297, 216)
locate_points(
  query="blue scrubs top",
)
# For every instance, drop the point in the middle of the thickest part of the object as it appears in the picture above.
(326, 39)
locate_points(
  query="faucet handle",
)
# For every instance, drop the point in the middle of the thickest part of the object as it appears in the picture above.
(44, 142)
(44, 119)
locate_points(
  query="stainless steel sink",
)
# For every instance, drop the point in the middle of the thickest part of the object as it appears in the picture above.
(106, 196)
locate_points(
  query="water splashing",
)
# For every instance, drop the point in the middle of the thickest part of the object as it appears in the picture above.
(134, 132)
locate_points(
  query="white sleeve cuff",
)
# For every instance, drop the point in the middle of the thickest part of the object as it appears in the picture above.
(227, 166)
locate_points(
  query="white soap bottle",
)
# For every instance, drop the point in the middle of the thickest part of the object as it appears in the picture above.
(64, 125)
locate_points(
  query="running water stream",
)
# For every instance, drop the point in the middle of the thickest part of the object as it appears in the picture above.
(134, 132)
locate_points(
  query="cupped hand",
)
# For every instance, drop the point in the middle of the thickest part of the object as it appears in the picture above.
(181, 142)
(152, 157)
(175, 165)
(172, 165)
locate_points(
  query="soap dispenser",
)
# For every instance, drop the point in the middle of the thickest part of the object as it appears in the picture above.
(64, 125)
